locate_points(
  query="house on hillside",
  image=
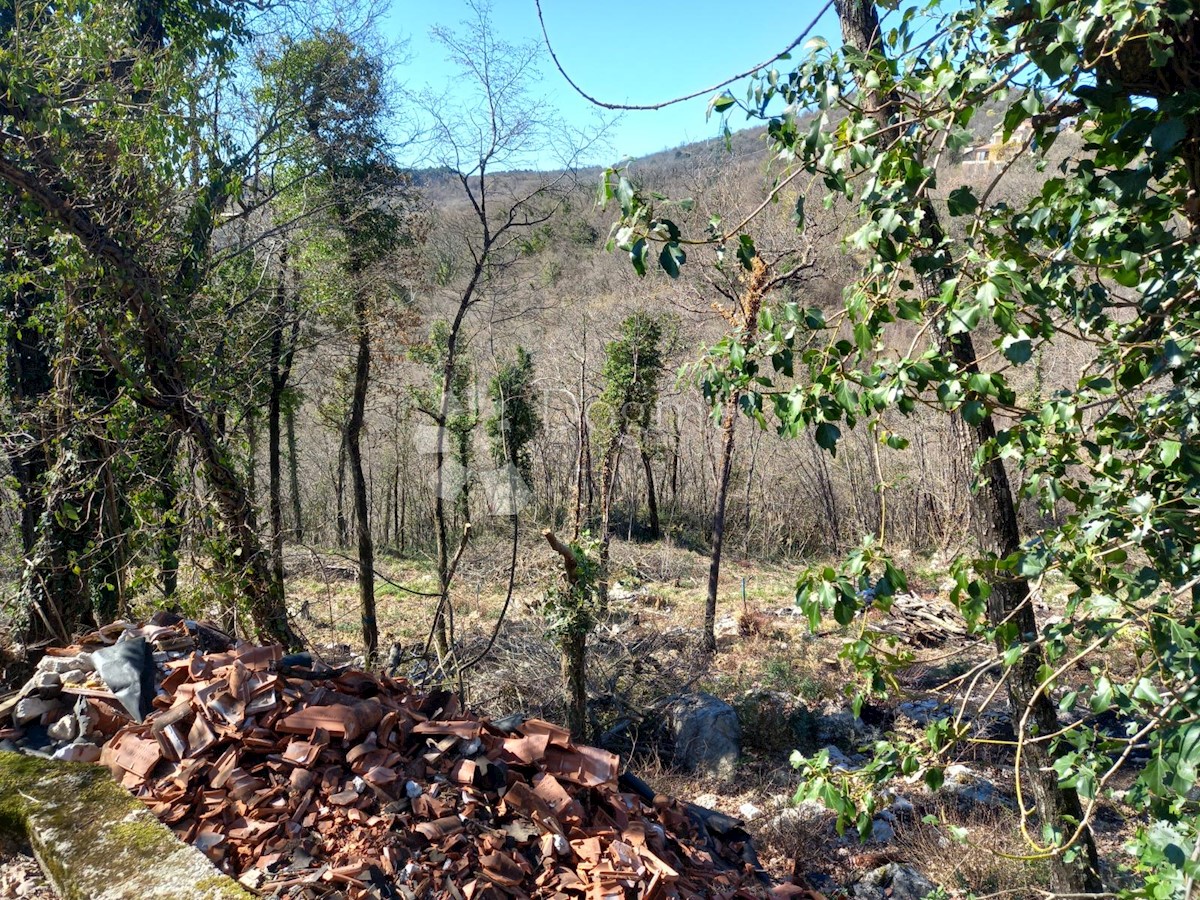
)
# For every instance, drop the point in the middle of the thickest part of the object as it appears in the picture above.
(998, 150)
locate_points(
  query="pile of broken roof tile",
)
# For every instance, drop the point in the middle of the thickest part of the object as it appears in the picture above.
(309, 784)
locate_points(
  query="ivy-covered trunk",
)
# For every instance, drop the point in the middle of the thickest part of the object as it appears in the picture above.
(1010, 613)
(608, 478)
(994, 521)
(651, 496)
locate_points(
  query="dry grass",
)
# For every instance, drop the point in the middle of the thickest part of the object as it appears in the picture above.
(987, 860)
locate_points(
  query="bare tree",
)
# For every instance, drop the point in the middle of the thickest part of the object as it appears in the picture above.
(496, 123)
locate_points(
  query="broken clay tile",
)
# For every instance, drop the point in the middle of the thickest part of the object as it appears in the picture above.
(200, 737)
(135, 755)
(301, 780)
(344, 797)
(349, 722)
(588, 766)
(439, 829)
(379, 776)
(258, 658)
(463, 771)
(526, 750)
(502, 869)
(462, 729)
(296, 782)
(555, 796)
(559, 737)
(301, 753)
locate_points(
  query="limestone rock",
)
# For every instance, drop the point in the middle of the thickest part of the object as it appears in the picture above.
(894, 881)
(30, 708)
(838, 725)
(706, 733)
(96, 840)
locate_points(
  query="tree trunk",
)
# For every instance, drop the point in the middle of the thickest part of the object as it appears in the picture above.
(274, 468)
(28, 369)
(573, 662)
(172, 524)
(608, 478)
(400, 516)
(441, 630)
(283, 351)
(572, 642)
(386, 536)
(289, 414)
(828, 498)
(709, 638)
(994, 522)
(748, 520)
(362, 521)
(252, 455)
(343, 533)
(675, 447)
(651, 496)
(581, 457)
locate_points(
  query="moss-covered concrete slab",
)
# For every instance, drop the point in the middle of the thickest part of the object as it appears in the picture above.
(96, 841)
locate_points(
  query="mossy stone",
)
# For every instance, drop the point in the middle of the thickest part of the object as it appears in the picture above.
(96, 841)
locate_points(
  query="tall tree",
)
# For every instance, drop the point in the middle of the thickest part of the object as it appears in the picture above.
(633, 365)
(365, 200)
(128, 226)
(488, 122)
(994, 514)
(515, 420)
(745, 320)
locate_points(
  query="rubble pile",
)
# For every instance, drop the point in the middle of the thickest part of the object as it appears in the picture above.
(80, 696)
(302, 781)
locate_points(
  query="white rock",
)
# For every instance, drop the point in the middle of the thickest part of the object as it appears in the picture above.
(749, 812)
(30, 708)
(708, 801)
(65, 729)
(959, 773)
(726, 626)
(61, 664)
(80, 752)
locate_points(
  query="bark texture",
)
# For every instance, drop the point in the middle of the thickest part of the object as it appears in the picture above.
(362, 520)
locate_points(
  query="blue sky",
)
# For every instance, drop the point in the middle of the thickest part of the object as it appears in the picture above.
(625, 53)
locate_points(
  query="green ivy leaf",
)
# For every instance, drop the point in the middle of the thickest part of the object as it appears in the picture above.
(746, 250)
(962, 201)
(671, 258)
(827, 436)
(638, 254)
